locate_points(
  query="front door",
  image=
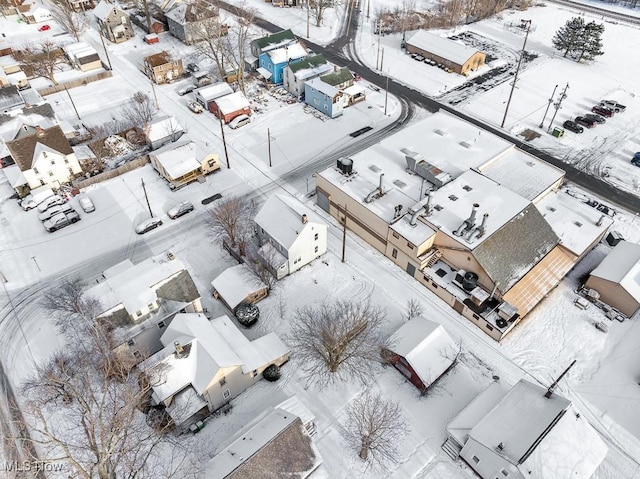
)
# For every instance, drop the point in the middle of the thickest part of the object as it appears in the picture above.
(411, 269)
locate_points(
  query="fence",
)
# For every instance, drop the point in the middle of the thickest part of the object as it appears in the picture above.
(107, 175)
(74, 83)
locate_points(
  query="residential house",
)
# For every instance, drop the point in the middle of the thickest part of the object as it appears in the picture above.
(295, 74)
(36, 14)
(524, 432)
(10, 98)
(201, 78)
(205, 364)
(227, 107)
(83, 56)
(44, 157)
(354, 94)
(263, 448)
(422, 351)
(207, 95)
(324, 97)
(161, 68)
(285, 3)
(266, 43)
(238, 284)
(20, 123)
(11, 73)
(178, 163)
(114, 24)
(617, 278)
(272, 62)
(140, 301)
(193, 20)
(162, 131)
(454, 55)
(467, 214)
(291, 234)
(339, 78)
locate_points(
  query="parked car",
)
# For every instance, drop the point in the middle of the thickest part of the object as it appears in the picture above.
(192, 67)
(34, 198)
(613, 105)
(61, 220)
(195, 107)
(419, 58)
(182, 209)
(573, 126)
(49, 202)
(239, 121)
(44, 28)
(148, 225)
(584, 121)
(597, 118)
(86, 203)
(603, 111)
(635, 161)
(185, 90)
(54, 210)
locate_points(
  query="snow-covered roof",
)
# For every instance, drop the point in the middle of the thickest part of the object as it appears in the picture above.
(416, 234)
(162, 128)
(211, 92)
(354, 90)
(184, 405)
(287, 53)
(519, 421)
(295, 406)
(426, 346)
(236, 283)
(442, 47)
(178, 158)
(322, 87)
(232, 103)
(282, 218)
(103, 10)
(14, 175)
(622, 266)
(576, 224)
(79, 50)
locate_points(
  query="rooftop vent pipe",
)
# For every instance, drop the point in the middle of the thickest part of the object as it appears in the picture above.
(378, 190)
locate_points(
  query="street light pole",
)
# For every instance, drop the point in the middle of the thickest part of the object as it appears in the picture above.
(269, 145)
(548, 105)
(515, 77)
(557, 105)
(224, 142)
(386, 95)
(72, 103)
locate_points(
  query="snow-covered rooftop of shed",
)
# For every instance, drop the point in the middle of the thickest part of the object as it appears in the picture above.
(622, 265)
(522, 173)
(426, 346)
(442, 47)
(214, 91)
(322, 87)
(163, 128)
(233, 102)
(574, 222)
(178, 159)
(234, 284)
(286, 53)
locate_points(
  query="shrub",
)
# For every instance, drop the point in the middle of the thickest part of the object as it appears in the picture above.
(247, 314)
(271, 373)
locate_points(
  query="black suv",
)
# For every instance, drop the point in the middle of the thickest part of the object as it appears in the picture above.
(595, 117)
(573, 126)
(584, 121)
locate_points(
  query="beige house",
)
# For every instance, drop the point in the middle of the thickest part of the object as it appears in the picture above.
(205, 364)
(472, 218)
(456, 56)
(161, 68)
(114, 24)
(178, 163)
(617, 278)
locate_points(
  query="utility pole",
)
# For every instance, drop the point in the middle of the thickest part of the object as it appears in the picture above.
(344, 233)
(269, 144)
(106, 52)
(146, 197)
(381, 58)
(557, 105)
(368, 8)
(548, 105)
(308, 18)
(72, 103)
(515, 77)
(350, 8)
(386, 94)
(555, 383)
(378, 57)
(224, 142)
(155, 97)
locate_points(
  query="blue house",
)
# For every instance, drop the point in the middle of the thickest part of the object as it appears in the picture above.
(324, 97)
(272, 63)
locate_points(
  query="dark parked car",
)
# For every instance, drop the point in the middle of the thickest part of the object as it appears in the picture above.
(596, 118)
(584, 121)
(601, 110)
(635, 161)
(192, 67)
(572, 126)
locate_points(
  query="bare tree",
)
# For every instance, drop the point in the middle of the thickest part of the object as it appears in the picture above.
(231, 221)
(414, 309)
(139, 111)
(320, 7)
(259, 267)
(339, 341)
(43, 59)
(373, 428)
(73, 22)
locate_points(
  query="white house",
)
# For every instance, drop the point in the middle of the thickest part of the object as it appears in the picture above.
(161, 131)
(526, 432)
(238, 284)
(292, 235)
(205, 364)
(422, 351)
(295, 74)
(178, 163)
(142, 299)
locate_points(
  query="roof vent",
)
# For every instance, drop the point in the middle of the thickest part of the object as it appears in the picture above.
(467, 188)
(438, 131)
(399, 183)
(453, 197)
(437, 207)
(551, 208)
(374, 168)
(578, 224)
(465, 144)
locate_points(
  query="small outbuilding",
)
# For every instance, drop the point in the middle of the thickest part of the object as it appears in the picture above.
(206, 96)
(617, 278)
(229, 106)
(162, 131)
(238, 285)
(456, 56)
(422, 351)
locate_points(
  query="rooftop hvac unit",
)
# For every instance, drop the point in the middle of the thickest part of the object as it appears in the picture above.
(507, 311)
(345, 165)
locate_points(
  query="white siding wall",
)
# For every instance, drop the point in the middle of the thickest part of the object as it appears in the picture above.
(52, 169)
(304, 248)
(489, 463)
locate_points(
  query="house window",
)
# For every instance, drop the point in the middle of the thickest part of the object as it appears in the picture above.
(223, 381)
(51, 173)
(316, 101)
(475, 459)
(35, 171)
(137, 355)
(504, 473)
(394, 253)
(396, 235)
(315, 250)
(53, 162)
(131, 342)
(226, 394)
(66, 161)
(41, 182)
(151, 306)
(70, 171)
(409, 245)
(315, 237)
(326, 107)
(161, 325)
(489, 327)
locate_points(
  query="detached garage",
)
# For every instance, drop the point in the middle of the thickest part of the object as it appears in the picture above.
(617, 278)
(456, 56)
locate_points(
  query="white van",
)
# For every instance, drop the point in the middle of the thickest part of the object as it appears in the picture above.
(239, 121)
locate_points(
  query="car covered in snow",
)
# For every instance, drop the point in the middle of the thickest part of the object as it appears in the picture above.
(586, 122)
(195, 107)
(49, 202)
(54, 210)
(86, 203)
(613, 105)
(148, 225)
(182, 209)
(61, 220)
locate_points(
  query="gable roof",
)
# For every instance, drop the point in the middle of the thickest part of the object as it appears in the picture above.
(275, 39)
(234, 284)
(104, 9)
(293, 51)
(10, 97)
(162, 127)
(192, 11)
(177, 158)
(158, 59)
(232, 102)
(622, 266)
(337, 77)
(442, 47)
(23, 150)
(309, 62)
(281, 218)
(211, 92)
(426, 346)
(322, 87)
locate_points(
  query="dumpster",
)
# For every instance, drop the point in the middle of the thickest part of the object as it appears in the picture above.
(558, 132)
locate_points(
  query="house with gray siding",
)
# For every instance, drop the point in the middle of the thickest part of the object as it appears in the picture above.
(114, 24)
(295, 74)
(324, 97)
(190, 21)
